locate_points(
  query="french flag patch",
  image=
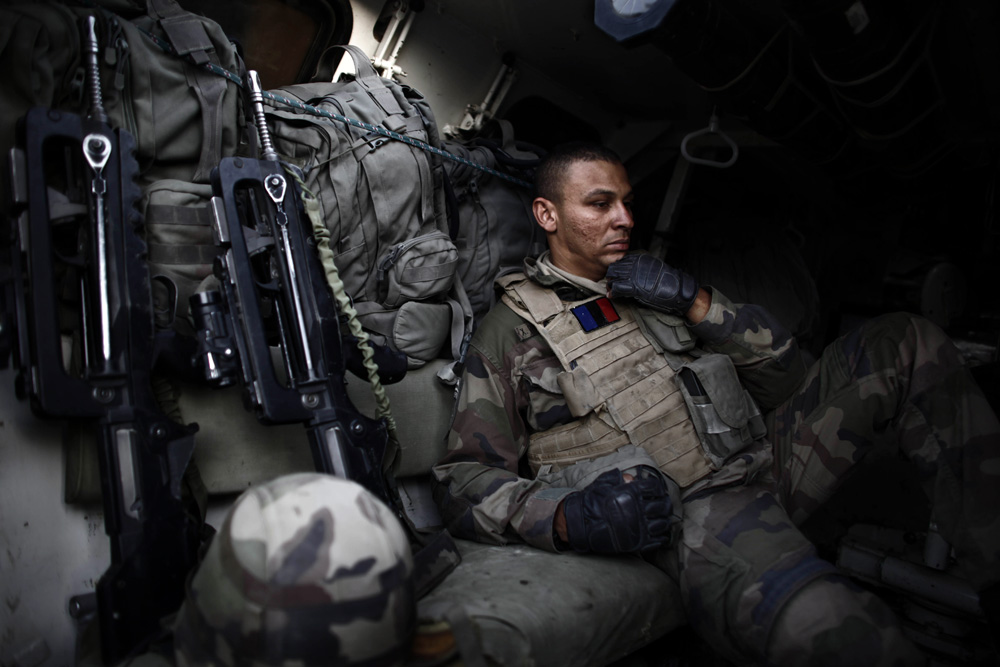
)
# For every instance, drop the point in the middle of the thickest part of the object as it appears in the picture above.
(596, 314)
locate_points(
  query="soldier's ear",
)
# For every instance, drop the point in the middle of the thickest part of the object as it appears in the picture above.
(545, 214)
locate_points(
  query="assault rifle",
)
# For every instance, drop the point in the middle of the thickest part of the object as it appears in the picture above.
(77, 265)
(274, 294)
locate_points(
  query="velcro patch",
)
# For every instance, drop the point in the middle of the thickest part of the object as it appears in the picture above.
(596, 314)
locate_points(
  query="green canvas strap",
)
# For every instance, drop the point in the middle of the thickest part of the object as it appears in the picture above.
(371, 81)
(186, 32)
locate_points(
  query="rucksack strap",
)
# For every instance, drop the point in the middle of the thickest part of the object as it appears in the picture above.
(461, 320)
(371, 81)
(435, 555)
(509, 145)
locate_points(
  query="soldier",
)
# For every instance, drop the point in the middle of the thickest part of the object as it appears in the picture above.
(610, 404)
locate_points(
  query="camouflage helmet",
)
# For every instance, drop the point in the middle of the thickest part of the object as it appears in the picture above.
(307, 569)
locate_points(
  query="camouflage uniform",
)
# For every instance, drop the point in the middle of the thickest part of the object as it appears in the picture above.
(752, 584)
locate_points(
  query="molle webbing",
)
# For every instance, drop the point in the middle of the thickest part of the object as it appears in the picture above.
(174, 251)
(614, 381)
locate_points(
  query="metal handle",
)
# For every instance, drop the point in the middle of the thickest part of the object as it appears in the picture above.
(275, 185)
(257, 100)
(97, 150)
(94, 72)
(713, 128)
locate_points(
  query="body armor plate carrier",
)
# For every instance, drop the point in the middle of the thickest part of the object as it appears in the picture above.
(689, 412)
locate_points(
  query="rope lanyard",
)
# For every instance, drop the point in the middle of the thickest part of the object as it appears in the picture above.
(322, 234)
(322, 113)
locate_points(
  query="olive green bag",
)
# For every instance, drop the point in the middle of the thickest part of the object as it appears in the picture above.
(495, 227)
(383, 202)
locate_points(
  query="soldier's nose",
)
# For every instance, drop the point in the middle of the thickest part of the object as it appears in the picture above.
(623, 219)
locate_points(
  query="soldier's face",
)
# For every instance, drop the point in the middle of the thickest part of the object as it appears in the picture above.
(589, 226)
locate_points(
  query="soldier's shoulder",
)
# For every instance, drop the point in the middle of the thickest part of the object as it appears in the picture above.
(500, 331)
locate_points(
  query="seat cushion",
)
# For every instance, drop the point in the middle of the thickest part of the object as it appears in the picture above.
(422, 407)
(518, 605)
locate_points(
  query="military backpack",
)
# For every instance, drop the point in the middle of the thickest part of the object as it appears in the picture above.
(490, 216)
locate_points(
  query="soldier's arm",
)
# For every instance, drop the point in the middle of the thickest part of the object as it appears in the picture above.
(765, 354)
(479, 491)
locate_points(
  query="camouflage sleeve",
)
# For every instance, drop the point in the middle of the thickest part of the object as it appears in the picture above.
(479, 491)
(765, 354)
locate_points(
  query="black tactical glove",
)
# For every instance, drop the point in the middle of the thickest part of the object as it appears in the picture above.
(653, 283)
(611, 516)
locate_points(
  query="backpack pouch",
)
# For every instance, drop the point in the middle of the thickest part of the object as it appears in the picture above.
(417, 269)
(421, 329)
(417, 329)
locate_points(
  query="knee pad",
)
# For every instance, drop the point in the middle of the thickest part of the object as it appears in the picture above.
(833, 621)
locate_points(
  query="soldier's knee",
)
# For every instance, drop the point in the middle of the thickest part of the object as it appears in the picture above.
(924, 327)
(903, 339)
(900, 325)
(832, 621)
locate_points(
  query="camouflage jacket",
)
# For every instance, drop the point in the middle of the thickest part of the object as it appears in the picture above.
(484, 488)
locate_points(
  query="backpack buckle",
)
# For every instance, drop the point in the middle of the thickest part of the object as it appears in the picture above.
(373, 141)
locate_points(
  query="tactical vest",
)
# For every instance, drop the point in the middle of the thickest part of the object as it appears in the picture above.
(624, 390)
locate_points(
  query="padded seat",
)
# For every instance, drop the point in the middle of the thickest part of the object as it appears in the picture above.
(518, 605)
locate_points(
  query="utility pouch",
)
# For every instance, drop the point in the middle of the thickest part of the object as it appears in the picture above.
(725, 416)
(667, 333)
(418, 329)
(417, 269)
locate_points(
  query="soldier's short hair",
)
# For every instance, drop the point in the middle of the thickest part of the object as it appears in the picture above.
(553, 167)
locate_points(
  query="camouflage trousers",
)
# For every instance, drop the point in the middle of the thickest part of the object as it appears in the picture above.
(753, 585)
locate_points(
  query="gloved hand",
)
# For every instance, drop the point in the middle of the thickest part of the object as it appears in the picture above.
(611, 516)
(653, 283)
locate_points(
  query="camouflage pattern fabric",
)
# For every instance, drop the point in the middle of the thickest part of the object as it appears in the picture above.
(308, 569)
(755, 589)
(753, 585)
(897, 375)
